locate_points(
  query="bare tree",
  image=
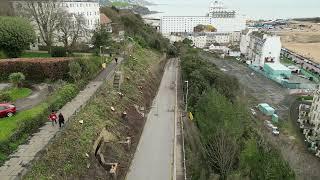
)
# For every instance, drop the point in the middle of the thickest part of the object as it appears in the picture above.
(70, 28)
(221, 151)
(45, 14)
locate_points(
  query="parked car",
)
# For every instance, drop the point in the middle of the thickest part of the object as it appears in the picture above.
(7, 110)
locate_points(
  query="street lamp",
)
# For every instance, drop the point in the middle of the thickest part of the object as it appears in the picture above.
(186, 108)
(101, 54)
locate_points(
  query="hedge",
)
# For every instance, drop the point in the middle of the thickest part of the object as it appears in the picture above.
(36, 69)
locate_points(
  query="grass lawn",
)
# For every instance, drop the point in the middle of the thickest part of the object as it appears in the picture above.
(9, 124)
(18, 93)
(35, 54)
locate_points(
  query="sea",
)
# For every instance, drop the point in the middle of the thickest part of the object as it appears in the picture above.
(252, 9)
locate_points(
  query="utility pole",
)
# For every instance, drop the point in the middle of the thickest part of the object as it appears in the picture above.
(101, 54)
(186, 108)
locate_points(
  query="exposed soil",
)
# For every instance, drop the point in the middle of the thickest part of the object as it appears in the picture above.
(130, 126)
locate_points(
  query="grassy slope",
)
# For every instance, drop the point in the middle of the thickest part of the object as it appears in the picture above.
(65, 157)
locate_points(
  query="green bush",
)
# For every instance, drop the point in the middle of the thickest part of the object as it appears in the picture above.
(5, 97)
(63, 95)
(2, 55)
(17, 78)
(15, 35)
(58, 52)
(75, 70)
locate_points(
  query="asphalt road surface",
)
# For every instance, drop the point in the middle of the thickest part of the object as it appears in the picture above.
(154, 155)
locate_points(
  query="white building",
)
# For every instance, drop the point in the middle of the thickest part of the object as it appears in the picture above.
(260, 48)
(199, 41)
(205, 39)
(314, 114)
(221, 18)
(89, 9)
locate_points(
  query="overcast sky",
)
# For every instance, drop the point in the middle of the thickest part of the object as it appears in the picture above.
(252, 8)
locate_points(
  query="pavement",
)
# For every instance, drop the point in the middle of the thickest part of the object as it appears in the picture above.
(154, 157)
(21, 160)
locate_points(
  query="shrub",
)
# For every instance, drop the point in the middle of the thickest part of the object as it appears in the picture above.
(62, 96)
(15, 35)
(2, 55)
(17, 78)
(75, 70)
(5, 97)
(58, 52)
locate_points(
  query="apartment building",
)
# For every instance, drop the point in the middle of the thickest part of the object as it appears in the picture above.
(314, 115)
(88, 8)
(260, 47)
(220, 17)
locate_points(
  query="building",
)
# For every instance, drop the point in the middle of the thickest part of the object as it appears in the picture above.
(221, 18)
(89, 9)
(205, 39)
(153, 22)
(260, 47)
(106, 22)
(314, 114)
(277, 70)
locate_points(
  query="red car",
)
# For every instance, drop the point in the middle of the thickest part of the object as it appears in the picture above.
(7, 110)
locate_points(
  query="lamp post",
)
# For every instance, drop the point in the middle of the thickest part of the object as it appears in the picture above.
(186, 108)
(101, 54)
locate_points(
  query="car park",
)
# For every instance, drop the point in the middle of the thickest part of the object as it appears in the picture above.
(7, 110)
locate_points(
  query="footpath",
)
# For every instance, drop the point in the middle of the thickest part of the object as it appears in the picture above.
(154, 157)
(19, 161)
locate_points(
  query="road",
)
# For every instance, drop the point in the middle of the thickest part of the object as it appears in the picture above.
(154, 155)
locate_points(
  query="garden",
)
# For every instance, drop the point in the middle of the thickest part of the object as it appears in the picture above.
(63, 71)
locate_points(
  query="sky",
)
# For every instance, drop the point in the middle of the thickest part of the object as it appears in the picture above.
(253, 9)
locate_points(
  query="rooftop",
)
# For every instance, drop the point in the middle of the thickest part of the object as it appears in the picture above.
(277, 66)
